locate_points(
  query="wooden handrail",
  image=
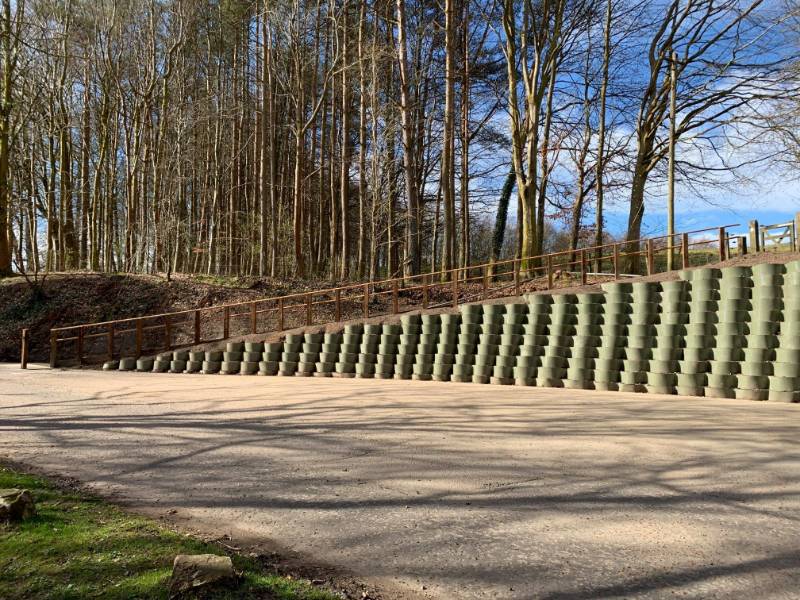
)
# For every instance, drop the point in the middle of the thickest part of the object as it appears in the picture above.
(390, 289)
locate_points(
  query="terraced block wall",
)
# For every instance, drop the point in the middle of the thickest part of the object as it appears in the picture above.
(729, 333)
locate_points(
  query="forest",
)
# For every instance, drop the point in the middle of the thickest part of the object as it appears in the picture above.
(357, 140)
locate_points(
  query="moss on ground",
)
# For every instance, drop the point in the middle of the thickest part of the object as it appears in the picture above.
(79, 546)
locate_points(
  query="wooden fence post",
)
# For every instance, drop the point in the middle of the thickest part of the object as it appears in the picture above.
(80, 345)
(517, 290)
(110, 341)
(281, 315)
(338, 305)
(425, 291)
(583, 266)
(796, 232)
(23, 355)
(455, 289)
(755, 236)
(196, 326)
(742, 245)
(485, 282)
(253, 318)
(616, 261)
(309, 309)
(139, 337)
(650, 257)
(167, 333)
(685, 250)
(395, 298)
(53, 349)
(549, 271)
(226, 322)
(723, 244)
(366, 301)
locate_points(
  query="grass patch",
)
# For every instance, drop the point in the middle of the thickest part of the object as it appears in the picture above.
(79, 546)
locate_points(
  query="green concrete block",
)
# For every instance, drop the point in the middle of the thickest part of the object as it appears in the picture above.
(632, 377)
(556, 350)
(579, 374)
(367, 358)
(751, 394)
(663, 352)
(584, 352)
(703, 273)
(462, 370)
(641, 331)
(194, 366)
(251, 368)
(405, 359)
(727, 354)
(482, 370)
(664, 366)
(635, 341)
(490, 328)
(505, 361)
(503, 373)
(776, 396)
(585, 341)
(634, 364)
(384, 371)
(177, 366)
(487, 339)
(403, 371)
(606, 377)
(341, 367)
(286, 357)
(365, 369)
(351, 339)
(718, 392)
(786, 369)
(353, 329)
(443, 359)
(752, 382)
(554, 382)
(693, 366)
(758, 355)
(386, 359)
(691, 380)
(264, 368)
(608, 364)
(485, 360)
(721, 381)
(659, 389)
(616, 286)
(230, 367)
(387, 348)
(614, 299)
(723, 367)
(209, 366)
(528, 362)
(697, 353)
(323, 357)
(234, 347)
(160, 365)
(115, 365)
(783, 384)
(252, 356)
(512, 330)
(730, 341)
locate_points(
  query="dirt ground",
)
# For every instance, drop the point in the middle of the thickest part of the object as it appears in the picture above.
(430, 490)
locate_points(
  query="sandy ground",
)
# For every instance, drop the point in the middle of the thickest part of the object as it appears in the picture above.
(430, 490)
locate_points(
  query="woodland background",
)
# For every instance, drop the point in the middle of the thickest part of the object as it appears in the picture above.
(352, 140)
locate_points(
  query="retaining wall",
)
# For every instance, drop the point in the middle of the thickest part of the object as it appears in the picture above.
(731, 332)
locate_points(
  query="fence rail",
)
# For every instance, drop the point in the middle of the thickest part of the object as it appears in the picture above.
(136, 336)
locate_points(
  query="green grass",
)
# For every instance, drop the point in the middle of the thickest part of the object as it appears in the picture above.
(79, 546)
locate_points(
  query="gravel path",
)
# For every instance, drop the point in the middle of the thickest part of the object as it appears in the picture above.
(430, 490)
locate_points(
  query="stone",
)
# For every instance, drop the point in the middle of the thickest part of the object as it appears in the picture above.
(16, 505)
(192, 571)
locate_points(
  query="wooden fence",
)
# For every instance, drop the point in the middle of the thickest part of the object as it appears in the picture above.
(93, 342)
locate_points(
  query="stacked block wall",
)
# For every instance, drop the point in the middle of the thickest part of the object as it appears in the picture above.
(725, 333)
